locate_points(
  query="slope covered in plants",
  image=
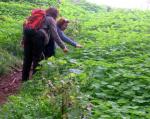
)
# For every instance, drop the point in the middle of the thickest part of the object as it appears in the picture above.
(107, 79)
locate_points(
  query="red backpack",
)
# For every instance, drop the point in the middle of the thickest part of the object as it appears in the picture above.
(36, 19)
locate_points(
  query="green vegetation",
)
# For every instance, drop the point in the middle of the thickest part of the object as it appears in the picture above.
(108, 79)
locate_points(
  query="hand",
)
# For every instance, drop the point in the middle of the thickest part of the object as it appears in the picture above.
(22, 43)
(79, 46)
(65, 50)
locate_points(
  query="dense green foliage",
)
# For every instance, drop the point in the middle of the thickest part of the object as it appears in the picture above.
(108, 79)
(11, 16)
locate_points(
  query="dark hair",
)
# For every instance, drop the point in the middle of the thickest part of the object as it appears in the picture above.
(52, 11)
(61, 22)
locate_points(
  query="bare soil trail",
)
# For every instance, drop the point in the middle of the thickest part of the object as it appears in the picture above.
(10, 84)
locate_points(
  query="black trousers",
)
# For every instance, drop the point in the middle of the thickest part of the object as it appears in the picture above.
(49, 49)
(33, 48)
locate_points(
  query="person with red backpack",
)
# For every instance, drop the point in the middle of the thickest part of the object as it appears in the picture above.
(37, 30)
(62, 25)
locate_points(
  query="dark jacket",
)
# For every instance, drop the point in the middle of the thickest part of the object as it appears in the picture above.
(50, 26)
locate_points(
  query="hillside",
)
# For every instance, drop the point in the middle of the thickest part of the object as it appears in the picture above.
(109, 78)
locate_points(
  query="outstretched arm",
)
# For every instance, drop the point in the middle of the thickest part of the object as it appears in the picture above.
(65, 38)
(54, 33)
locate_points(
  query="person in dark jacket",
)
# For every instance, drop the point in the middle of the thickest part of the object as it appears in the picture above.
(34, 43)
(62, 25)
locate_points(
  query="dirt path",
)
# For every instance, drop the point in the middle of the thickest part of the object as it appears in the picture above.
(9, 85)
